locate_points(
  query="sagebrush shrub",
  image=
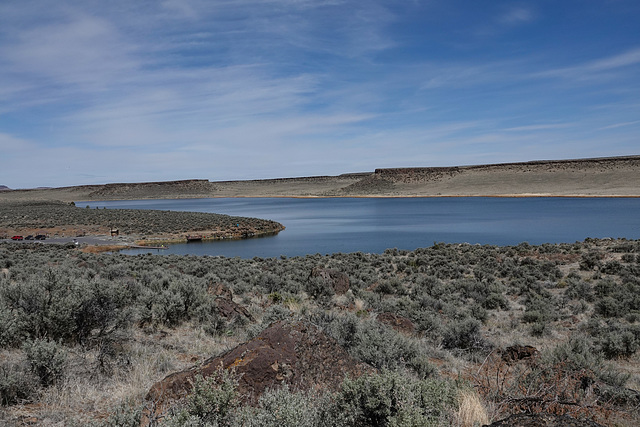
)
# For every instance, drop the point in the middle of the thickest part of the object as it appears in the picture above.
(390, 398)
(17, 383)
(47, 360)
(283, 407)
(212, 401)
(59, 307)
(124, 415)
(463, 334)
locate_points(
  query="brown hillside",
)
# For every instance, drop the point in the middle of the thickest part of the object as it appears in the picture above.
(597, 177)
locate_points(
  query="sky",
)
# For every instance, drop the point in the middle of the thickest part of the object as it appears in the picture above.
(95, 91)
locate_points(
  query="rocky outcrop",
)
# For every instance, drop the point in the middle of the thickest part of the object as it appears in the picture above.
(612, 176)
(369, 185)
(219, 289)
(230, 310)
(296, 353)
(143, 190)
(227, 308)
(397, 322)
(337, 280)
(516, 353)
(413, 175)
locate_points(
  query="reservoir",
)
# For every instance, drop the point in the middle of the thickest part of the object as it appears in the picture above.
(372, 225)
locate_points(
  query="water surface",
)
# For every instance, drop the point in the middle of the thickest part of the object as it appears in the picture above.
(375, 224)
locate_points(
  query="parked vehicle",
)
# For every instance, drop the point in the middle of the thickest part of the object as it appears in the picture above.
(29, 237)
(40, 237)
(17, 238)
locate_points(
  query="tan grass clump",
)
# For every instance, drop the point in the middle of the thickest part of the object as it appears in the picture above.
(471, 411)
(359, 304)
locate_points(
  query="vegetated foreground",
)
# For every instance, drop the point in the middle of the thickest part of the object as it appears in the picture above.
(58, 219)
(446, 335)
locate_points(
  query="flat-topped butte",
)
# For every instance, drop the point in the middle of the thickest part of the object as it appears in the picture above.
(595, 177)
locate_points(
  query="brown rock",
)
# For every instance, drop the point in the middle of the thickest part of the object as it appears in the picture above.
(337, 280)
(224, 302)
(516, 353)
(296, 353)
(230, 310)
(399, 323)
(543, 420)
(220, 290)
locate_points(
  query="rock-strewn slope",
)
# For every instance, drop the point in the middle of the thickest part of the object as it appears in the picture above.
(618, 176)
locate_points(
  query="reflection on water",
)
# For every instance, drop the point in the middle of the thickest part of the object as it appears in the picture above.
(373, 225)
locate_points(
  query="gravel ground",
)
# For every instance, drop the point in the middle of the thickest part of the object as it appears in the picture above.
(88, 240)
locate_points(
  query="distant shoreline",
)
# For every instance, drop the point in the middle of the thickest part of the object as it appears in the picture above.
(596, 177)
(497, 196)
(115, 229)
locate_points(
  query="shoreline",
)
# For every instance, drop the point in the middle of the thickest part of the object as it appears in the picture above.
(96, 243)
(183, 240)
(384, 196)
(65, 223)
(499, 196)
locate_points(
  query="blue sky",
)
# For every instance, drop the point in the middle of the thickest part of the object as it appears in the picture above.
(97, 91)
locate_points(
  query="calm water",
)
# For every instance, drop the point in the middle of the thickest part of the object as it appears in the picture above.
(373, 225)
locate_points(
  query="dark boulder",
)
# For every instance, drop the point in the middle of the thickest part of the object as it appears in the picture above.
(227, 309)
(337, 280)
(220, 290)
(296, 353)
(516, 353)
(230, 310)
(397, 322)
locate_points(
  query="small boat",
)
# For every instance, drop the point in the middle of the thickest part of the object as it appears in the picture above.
(194, 239)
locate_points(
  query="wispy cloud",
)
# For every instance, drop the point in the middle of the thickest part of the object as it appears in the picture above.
(619, 125)
(594, 68)
(504, 20)
(516, 15)
(631, 57)
(231, 89)
(82, 50)
(538, 127)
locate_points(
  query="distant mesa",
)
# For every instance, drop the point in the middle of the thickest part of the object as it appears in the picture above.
(5, 188)
(592, 177)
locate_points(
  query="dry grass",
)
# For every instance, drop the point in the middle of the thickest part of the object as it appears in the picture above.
(359, 304)
(471, 411)
(91, 390)
(88, 393)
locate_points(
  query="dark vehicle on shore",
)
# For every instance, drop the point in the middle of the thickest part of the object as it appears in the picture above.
(40, 237)
(17, 238)
(29, 237)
